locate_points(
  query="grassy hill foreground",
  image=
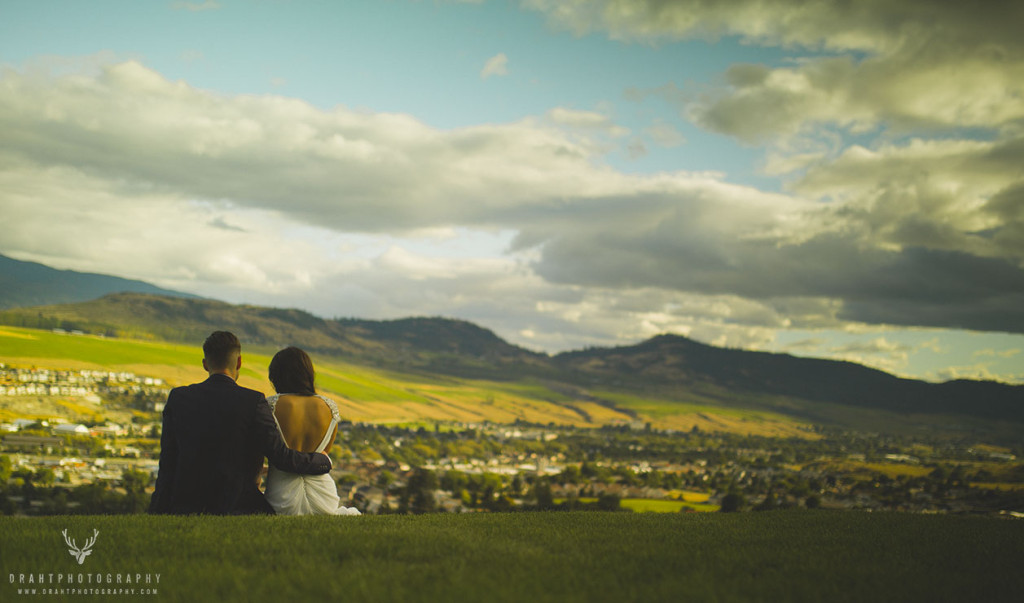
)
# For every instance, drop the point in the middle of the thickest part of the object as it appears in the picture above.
(778, 556)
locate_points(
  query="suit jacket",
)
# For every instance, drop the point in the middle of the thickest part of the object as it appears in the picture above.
(215, 436)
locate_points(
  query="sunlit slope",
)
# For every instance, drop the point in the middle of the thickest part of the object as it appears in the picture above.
(175, 364)
(446, 369)
(376, 395)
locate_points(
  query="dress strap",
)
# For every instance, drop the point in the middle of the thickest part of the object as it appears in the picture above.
(335, 417)
(272, 401)
(334, 407)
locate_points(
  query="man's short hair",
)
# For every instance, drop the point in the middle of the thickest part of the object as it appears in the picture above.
(219, 349)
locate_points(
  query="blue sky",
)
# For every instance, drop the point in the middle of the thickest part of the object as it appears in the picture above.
(823, 179)
(419, 58)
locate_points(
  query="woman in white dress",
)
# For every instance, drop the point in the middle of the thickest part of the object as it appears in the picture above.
(309, 423)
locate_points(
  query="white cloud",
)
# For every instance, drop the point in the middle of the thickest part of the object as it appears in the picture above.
(975, 371)
(908, 213)
(72, 220)
(870, 25)
(949, 195)
(879, 345)
(111, 163)
(937, 91)
(879, 352)
(586, 121)
(664, 134)
(350, 170)
(495, 66)
(858, 67)
(997, 353)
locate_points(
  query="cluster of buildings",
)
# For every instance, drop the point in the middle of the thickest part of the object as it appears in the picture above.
(40, 443)
(107, 430)
(76, 471)
(86, 384)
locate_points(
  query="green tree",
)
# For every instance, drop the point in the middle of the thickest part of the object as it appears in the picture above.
(7, 506)
(135, 484)
(570, 475)
(419, 492)
(487, 498)
(44, 476)
(385, 478)
(733, 502)
(609, 502)
(769, 503)
(22, 479)
(6, 467)
(516, 487)
(502, 504)
(95, 498)
(422, 479)
(423, 502)
(454, 481)
(542, 492)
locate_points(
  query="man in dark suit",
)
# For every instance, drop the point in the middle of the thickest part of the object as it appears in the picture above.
(215, 436)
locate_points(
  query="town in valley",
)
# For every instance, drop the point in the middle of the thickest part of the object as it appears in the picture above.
(87, 441)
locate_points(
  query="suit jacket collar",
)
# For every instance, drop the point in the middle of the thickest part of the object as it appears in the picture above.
(221, 379)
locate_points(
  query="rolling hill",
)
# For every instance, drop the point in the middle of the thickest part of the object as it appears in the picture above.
(656, 378)
(432, 344)
(32, 284)
(670, 360)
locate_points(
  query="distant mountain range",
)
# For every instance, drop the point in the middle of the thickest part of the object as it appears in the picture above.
(32, 284)
(670, 360)
(666, 367)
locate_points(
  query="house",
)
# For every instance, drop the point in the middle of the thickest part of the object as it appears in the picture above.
(108, 430)
(71, 429)
(29, 441)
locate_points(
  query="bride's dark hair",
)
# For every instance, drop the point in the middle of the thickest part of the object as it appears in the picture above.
(291, 372)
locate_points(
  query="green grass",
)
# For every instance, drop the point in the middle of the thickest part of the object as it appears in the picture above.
(361, 384)
(707, 414)
(649, 505)
(778, 556)
(18, 343)
(658, 407)
(652, 505)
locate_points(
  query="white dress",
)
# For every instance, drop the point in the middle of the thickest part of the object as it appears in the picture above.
(294, 494)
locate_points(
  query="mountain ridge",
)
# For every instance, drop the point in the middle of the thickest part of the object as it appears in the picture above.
(835, 381)
(665, 366)
(25, 284)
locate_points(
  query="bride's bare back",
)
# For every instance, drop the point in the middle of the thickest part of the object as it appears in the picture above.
(303, 420)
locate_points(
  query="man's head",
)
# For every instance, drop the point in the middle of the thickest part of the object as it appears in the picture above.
(222, 354)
